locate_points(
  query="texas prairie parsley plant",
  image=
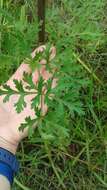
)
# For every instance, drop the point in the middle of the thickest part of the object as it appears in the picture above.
(63, 100)
(41, 91)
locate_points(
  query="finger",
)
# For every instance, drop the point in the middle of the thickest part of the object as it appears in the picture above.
(18, 75)
(45, 74)
(37, 50)
(42, 72)
(35, 76)
(54, 82)
(24, 68)
(52, 53)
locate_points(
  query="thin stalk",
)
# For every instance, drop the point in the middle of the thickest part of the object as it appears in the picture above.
(41, 19)
(88, 69)
(1, 6)
(20, 185)
(100, 180)
(50, 157)
(92, 167)
(53, 166)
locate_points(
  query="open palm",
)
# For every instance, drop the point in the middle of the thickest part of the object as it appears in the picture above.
(10, 120)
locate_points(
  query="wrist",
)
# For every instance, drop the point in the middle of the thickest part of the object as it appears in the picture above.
(8, 139)
(8, 145)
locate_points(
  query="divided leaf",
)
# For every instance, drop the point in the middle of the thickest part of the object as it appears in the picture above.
(21, 104)
(28, 79)
(30, 123)
(18, 85)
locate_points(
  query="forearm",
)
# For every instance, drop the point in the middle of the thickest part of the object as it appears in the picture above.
(4, 183)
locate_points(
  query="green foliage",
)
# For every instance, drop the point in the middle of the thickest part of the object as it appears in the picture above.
(17, 35)
(28, 123)
(68, 148)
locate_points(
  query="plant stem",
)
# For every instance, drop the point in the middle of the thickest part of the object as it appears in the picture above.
(53, 166)
(88, 69)
(20, 185)
(41, 18)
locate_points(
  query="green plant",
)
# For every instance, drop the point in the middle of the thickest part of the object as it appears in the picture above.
(17, 35)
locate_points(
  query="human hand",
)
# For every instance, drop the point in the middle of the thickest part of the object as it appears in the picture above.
(10, 120)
